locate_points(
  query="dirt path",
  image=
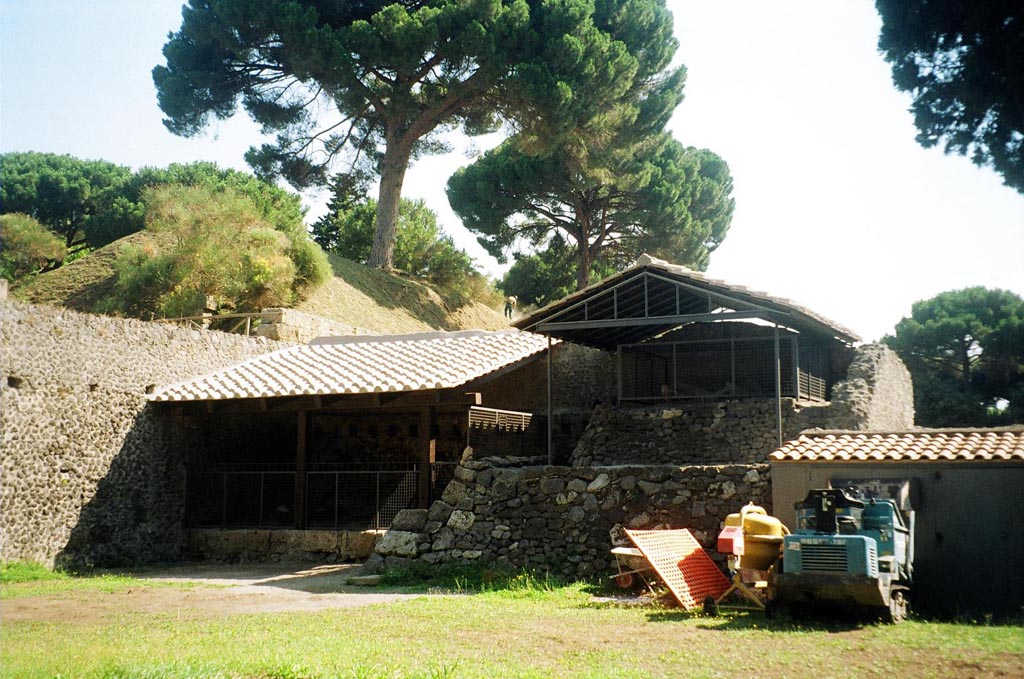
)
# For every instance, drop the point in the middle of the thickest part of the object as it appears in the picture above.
(220, 590)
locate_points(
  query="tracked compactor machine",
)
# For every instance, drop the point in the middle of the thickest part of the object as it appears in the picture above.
(848, 552)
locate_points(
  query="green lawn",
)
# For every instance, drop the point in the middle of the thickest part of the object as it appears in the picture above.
(22, 579)
(530, 630)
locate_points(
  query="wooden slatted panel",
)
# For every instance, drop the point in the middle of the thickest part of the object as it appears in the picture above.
(682, 565)
(492, 418)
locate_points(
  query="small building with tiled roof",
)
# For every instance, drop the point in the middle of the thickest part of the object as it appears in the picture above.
(964, 486)
(344, 432)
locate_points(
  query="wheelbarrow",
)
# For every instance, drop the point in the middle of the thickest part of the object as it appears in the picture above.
(673, 558)
(632, 567)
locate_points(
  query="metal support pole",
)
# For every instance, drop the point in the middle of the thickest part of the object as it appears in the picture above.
(778, 387)
(647, 307)
(551, 423)
(796, 366)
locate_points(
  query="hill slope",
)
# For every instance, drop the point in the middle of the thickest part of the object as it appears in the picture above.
(356, 295)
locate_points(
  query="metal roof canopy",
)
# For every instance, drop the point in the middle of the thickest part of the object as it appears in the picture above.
(653, 297)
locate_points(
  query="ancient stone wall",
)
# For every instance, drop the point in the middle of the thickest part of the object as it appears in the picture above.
(559, 518)
(280, 545)
(290, 325)
(91, 472)
(581, 378)
(876, 394)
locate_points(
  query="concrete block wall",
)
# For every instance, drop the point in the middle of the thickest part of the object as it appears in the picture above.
(92, 473)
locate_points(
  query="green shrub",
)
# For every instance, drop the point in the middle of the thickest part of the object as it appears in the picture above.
(211, 242)
(27, 247)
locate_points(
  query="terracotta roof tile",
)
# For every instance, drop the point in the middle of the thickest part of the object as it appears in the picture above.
(925, 445)
(364, 364)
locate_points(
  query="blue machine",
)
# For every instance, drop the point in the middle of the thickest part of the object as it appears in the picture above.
(846, 551)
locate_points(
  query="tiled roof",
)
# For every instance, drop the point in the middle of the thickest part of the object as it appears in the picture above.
(926, 445)
(359, 365)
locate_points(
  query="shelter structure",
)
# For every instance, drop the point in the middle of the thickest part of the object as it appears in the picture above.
(346, 432)
(963, 487)
(679, 335)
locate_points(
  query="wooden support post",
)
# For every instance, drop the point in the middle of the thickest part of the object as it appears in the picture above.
(300, 471)
(428, 453)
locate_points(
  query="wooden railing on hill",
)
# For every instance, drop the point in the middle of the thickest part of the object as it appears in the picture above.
(243, 324)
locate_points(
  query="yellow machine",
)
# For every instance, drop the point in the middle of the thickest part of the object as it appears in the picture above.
(753, 542)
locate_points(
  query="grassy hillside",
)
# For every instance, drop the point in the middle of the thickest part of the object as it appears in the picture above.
(391, 303)
(356, 295)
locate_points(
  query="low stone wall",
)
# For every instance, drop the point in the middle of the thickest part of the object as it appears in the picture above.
(559, 518)
(91, 472)
(877, 394)
(289, 325)
(324, 546)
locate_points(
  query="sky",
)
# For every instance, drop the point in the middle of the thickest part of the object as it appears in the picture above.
(837, 207)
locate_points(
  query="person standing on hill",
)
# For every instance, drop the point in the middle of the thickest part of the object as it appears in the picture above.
(510, 304)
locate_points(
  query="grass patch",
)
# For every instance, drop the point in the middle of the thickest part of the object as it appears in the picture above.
(20, 579)
(520, 626)
(474, 580)
(27, 571)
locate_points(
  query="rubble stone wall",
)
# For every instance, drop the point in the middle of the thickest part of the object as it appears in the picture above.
(877, 394)
(281, 545)
(559, 518)
(290, 325)
(92, 473)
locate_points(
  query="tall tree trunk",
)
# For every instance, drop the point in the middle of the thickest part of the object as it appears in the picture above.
(583, 245)
(392, 176)
(965, 362)
(583, 274)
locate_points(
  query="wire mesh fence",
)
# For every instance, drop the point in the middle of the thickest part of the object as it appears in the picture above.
(360, 499)
(732, 368)
(349, 497)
